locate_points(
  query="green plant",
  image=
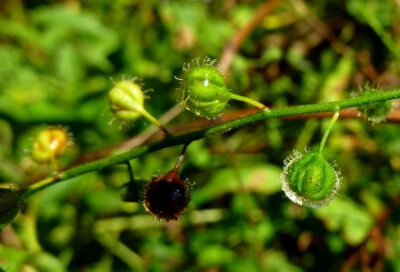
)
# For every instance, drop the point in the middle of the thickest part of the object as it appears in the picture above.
(295, 56)
(377, 97)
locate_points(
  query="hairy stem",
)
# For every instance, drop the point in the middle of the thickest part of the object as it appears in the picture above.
(203, 133)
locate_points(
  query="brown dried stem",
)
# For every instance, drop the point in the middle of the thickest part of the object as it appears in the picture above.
(235, 43)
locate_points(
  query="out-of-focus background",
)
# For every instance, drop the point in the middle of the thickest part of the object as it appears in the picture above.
(58, 59)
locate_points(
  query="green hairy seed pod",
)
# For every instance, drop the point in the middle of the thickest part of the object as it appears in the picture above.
(205, 92)
(310, 180)
(126, 100)
(375, 112)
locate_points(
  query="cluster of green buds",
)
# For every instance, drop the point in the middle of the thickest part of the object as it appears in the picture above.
(307, 179)
(204, 91)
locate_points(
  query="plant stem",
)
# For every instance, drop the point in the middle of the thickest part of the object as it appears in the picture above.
(203, 133)
(152, 119)
(248, 100)
(131, 178)
(327, 131)
(120, 250)
(180, 159)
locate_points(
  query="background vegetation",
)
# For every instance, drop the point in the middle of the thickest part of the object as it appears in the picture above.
(58, 59)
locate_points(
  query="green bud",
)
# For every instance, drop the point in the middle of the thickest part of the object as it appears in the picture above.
(49, 144)
(310, 180)
(126, 100)
(127, 103)
(10, 203)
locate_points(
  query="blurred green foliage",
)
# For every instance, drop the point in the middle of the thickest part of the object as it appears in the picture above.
(58, 60)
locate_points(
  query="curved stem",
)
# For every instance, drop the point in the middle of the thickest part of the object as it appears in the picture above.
(119, 249)
(327, 131)
(152, 119)
(235, 43)
(203, 133)
(248, 100)
(130, 172)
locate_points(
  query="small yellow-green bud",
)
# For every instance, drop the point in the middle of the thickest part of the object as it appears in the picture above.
(48, 144)
(127, 103)
(309, 179)
(126, 100)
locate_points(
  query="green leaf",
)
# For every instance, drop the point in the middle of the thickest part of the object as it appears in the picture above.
(277, 261)
(104, 201)
(377, 14)
(10, 203)
(345, 215)
(261, 179)
(214, 255)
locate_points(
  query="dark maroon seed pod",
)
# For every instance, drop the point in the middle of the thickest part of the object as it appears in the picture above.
(167, 196)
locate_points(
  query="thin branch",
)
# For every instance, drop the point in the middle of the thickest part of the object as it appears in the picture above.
(233, 46)
(320, 27)
(142, 138)
(130, 172)
(394, 117)
(328, 130)
(214, 130)
(180, 159)
(325, 32)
